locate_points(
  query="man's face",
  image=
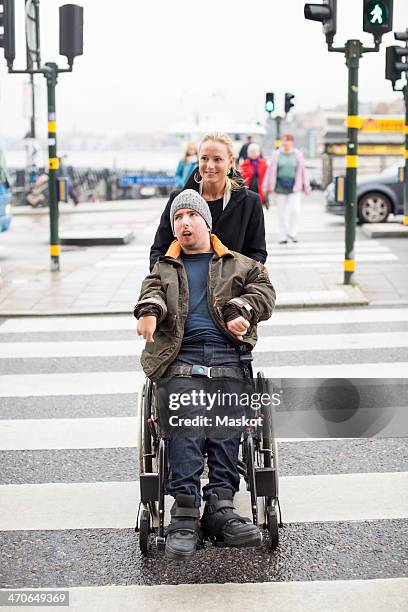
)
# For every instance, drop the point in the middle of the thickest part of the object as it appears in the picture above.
(191, 231)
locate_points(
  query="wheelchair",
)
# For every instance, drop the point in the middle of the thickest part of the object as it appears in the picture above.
(257, 464)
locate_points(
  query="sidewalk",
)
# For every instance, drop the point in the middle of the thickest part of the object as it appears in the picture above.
(106, 279)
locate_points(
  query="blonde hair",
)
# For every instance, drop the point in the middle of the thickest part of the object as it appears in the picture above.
(189, 145)
(233, 183)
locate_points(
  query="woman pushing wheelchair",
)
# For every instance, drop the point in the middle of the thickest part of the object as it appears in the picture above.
(198, 311)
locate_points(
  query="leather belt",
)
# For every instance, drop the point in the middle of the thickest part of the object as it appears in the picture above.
(206, 372)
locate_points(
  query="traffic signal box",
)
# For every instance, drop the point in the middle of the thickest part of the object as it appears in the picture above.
(7, 36)
(270, 102)
(377, 16)
(288, 102)
(326, 13)
(394, 67)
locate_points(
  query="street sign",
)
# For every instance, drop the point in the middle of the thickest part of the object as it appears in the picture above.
(371, 124)
(153, 180)
(367, 149)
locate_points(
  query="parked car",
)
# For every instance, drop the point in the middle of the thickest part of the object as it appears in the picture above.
(378, 195)
(5, 197)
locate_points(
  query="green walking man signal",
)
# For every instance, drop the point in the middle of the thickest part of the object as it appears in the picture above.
(270, 102)
(377, 16)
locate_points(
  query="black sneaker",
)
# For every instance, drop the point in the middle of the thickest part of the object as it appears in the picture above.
(183, 534)
(283, 242)
(221, 525)
(293, 239)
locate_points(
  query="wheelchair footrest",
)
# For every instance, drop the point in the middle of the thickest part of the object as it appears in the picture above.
(149, 487)
(265, 479)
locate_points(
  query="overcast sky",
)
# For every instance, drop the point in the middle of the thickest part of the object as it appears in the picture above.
(150, 64)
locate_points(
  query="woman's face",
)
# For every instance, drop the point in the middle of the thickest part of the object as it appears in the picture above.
(192, 150)
(214, 163)
(287, 145)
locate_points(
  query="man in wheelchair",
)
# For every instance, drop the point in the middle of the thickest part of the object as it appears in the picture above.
(198, 312)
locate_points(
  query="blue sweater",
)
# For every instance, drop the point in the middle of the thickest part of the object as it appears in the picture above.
(200, 326)
(183, 171)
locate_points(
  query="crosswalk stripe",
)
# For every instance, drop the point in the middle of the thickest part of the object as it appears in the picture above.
(277, 259)
(397, 369)
(80, 433)
(376, 595)
(265, 344)
(272, 250)
(88, 383)
(304, 499)
(279, 318)
(102, 383)
(107, 432)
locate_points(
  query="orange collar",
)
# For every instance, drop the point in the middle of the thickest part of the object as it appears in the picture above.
(174, 249)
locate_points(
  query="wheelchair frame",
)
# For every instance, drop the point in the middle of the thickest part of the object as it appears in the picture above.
(258, 466)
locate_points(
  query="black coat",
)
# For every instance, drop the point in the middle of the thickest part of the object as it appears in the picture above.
(240, 226)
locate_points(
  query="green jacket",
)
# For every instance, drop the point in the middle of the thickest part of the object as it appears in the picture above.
(232, 278)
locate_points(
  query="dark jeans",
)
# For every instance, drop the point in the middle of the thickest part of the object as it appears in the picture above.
(185, 451)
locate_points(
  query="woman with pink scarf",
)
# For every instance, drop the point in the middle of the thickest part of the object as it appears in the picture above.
(286, 177)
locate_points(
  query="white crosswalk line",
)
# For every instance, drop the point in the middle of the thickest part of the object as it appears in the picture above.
(304, 499)
(102, 383)
(279, 318)
(376, 595)
(265, 344)
(88, 383)
(42, 434)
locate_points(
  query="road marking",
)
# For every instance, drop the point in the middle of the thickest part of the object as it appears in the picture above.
(304, 499)
(314, 596)
(128, 322)
(265, 344)
(43, 434)
(343, 370)
(103, 383)
(88, 383)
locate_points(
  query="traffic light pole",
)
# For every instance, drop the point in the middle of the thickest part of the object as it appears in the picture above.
(278, 121)
(353, 51)
(405, 219)
(353, 54)
(53, 164)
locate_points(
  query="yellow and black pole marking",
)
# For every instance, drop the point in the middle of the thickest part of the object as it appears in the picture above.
(53, 166)
(353, 53)
(405, 218)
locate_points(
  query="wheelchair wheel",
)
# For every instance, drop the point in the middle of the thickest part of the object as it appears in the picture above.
(273, 526)
(144, 530)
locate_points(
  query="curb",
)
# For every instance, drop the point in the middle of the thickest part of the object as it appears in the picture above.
(122, 311)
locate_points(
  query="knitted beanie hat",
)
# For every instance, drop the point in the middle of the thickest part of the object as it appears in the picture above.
(191, 199)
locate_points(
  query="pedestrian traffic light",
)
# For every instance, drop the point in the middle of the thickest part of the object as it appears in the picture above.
(377, 16)
(326, 13)
(7, 37)
(394, 67)
(288, 102)
(270, 102)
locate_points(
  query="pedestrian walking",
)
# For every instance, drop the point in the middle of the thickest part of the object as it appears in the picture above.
(236, 212)
(286, 177)
(243, 152)
(253, 170)
(186, 165)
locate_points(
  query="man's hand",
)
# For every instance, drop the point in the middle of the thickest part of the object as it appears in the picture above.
(238, 327)
(146, 327)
